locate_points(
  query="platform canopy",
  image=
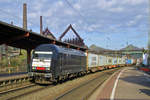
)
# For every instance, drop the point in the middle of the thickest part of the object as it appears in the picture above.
(20, 38)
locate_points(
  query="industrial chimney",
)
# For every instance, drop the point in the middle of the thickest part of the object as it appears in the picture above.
(25, 16)
(41, 26)
(12, 23)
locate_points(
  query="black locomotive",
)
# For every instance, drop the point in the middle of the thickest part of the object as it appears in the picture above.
(54, 63)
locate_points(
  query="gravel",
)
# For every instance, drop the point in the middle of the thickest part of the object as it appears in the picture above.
(51, 93)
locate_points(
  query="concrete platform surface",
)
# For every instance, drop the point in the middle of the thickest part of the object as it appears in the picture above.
(126, 84)
(13, 77)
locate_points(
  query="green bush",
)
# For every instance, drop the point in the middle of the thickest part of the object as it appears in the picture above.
(17, 63)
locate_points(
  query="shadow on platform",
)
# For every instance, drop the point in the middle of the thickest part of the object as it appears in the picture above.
(145, 91)
(140, 80)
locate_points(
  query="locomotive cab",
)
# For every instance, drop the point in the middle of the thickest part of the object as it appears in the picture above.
(42, 63)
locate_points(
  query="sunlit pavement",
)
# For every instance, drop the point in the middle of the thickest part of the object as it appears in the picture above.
(127, 84)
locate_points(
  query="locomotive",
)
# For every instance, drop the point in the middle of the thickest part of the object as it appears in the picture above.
(55, 63)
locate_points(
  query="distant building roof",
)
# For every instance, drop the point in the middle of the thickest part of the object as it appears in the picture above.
(48, 33)
(77, 41)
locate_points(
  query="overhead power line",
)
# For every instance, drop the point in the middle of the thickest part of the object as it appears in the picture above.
(74, 9)
(77, 12)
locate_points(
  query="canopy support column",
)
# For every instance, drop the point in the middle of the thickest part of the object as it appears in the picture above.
(28, 59)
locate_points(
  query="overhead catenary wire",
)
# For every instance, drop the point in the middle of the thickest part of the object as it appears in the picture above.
(80, 15)
(83, 19)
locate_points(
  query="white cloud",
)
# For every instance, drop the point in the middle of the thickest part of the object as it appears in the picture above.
(131, 23)
(147, 10)
(48, 13)
(104, 4)
(38, 6)
(117, 5)
(59, 4)
(118, 9)
(111, 5)
(135, 20)
(94, 27)
(32, 15)
(133, 2)
(138, 17)
(80, 21)
(69, 12)
(6, 1)
(77, 6)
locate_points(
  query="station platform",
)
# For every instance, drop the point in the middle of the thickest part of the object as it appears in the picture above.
(126, 84)
(13, 76)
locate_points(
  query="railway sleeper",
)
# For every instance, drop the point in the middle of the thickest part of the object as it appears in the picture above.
(13, 81)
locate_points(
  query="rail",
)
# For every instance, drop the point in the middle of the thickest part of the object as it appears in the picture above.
(11, 81)
(96, 82)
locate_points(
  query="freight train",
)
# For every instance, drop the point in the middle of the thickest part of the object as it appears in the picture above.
(55, 63)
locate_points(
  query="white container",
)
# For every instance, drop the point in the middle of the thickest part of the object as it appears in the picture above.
(114, 61)
(92, 60)
(102, 60)
(109, 60)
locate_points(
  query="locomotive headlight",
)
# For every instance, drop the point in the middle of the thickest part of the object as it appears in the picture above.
(33, 67)
(47, 68)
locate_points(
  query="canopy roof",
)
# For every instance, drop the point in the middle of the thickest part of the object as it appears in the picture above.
(25, 39)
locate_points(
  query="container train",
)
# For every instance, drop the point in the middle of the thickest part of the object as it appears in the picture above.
(54, 63)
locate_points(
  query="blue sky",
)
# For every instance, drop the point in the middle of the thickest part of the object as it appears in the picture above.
(106, 23)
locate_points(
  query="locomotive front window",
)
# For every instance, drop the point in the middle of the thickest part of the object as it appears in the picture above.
(42, 54)
(41, 60)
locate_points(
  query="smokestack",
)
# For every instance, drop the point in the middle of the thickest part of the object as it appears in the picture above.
(25, 16)
(41, 25)
(12, 23)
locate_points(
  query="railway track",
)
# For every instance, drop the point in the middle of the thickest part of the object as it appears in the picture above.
(15, 89)
(70, 90)
(15, 93)
(83, 91)
(9, 84)
(6, 81)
